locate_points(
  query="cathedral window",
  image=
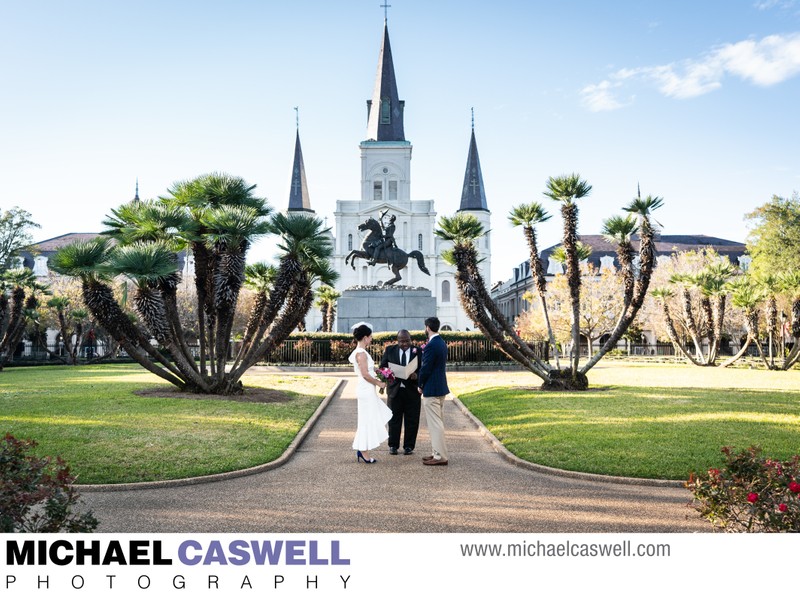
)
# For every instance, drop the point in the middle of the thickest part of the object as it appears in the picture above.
(386, 111)
(392, 189)
(377, 190)
(446, 291)
(419, 242)
(350, 241)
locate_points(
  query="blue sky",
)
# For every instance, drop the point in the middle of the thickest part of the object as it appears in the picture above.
(695, 100)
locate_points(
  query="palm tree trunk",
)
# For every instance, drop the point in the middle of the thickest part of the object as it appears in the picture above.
(569, 212)
(751, 317)
(673, 335)
(537, 271)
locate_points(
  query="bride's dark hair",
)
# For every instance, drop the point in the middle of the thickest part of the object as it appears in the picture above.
(361, 331)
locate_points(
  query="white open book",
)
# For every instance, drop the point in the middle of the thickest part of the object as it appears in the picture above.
(403, 371)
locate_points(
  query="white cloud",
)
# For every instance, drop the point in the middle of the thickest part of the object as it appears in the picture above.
(769, 4)
(767, 62)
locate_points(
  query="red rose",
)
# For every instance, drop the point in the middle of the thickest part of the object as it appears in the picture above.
(794, 487)
(782, 507)
(752, 497)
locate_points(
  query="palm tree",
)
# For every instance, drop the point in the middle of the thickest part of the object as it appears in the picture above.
(306, 249)
(217, 217)
(327, 297)
(463, 230)
(642, 209)
(567, 189)
(619, 230)
(790, 286)
(528, 216)
(88, 261)
(747, 295)
(770, 285)
(14, 314)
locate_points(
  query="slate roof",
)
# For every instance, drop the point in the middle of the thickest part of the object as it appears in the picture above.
(665, 245)
(473, 196)
(298, 191)
(385, 91)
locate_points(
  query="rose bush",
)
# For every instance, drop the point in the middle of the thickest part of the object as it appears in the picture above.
(36, 494)
(749, 493)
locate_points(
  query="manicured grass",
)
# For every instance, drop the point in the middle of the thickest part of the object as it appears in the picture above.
(92, 418)
(654, 421)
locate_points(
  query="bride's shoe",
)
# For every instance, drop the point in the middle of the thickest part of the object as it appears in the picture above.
(360, 458)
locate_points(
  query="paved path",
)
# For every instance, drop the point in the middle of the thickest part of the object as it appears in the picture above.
(322, 489)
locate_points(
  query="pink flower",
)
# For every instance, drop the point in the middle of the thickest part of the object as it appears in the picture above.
(782, 507)
(752, 497)
(794, 487)
(423, 345)
(387, 374)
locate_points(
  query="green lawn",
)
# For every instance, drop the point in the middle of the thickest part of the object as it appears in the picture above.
(655, 421)
(92, 418)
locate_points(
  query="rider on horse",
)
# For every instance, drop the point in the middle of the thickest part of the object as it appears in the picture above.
(387, 242)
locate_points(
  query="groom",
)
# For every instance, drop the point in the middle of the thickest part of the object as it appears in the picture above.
(403, 395)
(433, 387)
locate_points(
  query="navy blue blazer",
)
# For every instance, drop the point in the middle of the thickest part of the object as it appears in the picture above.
(431, 375)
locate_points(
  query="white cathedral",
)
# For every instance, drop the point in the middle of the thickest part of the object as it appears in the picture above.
(386, 186)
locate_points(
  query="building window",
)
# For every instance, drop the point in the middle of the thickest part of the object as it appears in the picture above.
(419, 242)
(350, 241)
(445, 291)
(377, 190)
(386, 111)
(392, 189)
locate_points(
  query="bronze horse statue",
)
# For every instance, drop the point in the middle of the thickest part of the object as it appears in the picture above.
(394, 257)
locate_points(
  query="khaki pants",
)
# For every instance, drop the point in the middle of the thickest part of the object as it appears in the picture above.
(435, 419)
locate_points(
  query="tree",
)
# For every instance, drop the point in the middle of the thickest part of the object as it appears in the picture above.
(463, 230)
(15, 227)
(15, 312)
(567, 189)
(747, 295)
(701, 297)
(774, 241)
(528, 216)
(327, 297)
(600, 305)
(215, 217)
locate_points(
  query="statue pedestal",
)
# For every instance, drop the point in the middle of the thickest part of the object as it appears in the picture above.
(388, 309)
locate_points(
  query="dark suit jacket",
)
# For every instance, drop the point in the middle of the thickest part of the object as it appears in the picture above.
(432, 376)
(392, 355)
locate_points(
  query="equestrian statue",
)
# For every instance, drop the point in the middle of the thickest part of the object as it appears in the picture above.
(379, 247)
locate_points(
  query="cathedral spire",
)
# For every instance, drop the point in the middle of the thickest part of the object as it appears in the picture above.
(136, 196)
(298, 192)
(385, 110)
(473, 196)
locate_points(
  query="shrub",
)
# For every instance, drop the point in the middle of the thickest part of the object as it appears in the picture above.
(36, 494)
(750, 493)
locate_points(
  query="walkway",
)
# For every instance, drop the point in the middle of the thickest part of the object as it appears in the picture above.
(322, 489)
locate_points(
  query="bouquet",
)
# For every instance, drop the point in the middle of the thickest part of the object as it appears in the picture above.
(386, 375)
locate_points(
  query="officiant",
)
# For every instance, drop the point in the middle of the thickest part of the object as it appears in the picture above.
(403, 397)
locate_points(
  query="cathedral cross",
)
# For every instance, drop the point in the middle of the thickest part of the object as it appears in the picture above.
(386, 8)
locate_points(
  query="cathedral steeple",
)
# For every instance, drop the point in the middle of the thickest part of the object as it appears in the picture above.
(136, 196)
(385, 110)
(298, 192)
(473, 196)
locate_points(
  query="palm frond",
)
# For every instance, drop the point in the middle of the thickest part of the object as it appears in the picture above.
(461, 228)
(528, 215)
(567, 188)
(143, 262)
(83, 259)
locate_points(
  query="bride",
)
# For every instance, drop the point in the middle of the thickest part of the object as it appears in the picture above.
(373, 414)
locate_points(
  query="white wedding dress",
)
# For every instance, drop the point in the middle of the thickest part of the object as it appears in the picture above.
(373, 414)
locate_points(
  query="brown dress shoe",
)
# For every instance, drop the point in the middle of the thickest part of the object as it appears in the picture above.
(435, 462)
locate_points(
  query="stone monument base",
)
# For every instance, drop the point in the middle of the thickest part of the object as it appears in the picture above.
(388, 309)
